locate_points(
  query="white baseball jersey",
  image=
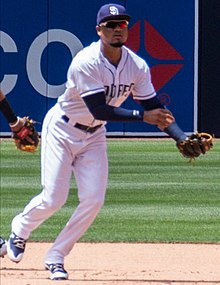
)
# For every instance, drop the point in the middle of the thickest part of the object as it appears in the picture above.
(90, 72)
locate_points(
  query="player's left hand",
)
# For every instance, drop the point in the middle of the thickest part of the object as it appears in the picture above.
(25, 136)
(196, 144)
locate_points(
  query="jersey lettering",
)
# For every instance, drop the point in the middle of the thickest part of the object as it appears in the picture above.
(116, 91)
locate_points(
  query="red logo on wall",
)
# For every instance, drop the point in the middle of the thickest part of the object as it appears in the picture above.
(159, 48)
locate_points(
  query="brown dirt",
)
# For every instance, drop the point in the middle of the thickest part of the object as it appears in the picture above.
(127, 264)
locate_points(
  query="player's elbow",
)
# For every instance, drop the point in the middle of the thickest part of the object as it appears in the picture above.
(93, 201)
(99, 113)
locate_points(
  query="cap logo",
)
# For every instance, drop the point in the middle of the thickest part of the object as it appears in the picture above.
(113, 10)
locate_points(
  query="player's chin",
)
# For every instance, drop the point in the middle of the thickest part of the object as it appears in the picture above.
(117, 44)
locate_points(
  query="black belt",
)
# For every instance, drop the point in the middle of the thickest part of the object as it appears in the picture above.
(84, 128)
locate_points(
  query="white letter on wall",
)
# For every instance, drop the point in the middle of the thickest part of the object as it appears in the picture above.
(34, 59)
(8, 45)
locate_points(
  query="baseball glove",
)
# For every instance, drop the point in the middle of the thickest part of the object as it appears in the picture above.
(26, 138)
(196, 144)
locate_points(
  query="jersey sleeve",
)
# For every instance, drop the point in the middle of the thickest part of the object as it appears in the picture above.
(143, 88)
(87, 77)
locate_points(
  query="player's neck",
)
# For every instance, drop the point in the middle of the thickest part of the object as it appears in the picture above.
(112, 54)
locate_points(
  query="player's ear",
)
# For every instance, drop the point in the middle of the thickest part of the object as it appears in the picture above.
(98, 30)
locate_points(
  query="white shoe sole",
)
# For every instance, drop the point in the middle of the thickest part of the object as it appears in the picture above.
(11, 254)
(59, 276)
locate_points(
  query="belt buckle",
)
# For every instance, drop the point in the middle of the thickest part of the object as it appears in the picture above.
(88, 128)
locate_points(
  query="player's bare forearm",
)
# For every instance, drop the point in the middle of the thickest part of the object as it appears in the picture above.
(2, 96)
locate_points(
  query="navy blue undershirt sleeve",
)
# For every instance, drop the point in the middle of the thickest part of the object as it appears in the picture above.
(7, 111)
(152, 103)
(96, 104)
(175, 132)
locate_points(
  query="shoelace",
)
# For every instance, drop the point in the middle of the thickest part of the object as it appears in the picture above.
(57, 267)
(19, 242)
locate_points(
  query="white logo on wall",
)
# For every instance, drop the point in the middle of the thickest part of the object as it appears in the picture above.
(113, 10)
(33, 62)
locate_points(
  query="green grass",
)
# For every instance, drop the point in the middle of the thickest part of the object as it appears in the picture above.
(154, 195)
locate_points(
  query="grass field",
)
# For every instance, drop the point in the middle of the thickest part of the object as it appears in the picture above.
(154, 195)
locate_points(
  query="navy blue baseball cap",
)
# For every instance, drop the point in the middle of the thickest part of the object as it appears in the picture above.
(112, 12)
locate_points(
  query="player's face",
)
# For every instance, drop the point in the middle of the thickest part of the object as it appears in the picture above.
(113, 33)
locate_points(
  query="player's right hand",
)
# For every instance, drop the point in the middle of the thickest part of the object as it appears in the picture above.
(162, 118)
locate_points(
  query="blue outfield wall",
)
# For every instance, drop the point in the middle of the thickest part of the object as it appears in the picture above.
(39, 38)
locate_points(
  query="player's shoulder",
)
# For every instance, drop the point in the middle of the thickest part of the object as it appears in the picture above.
(86, 61)
(88, 55)
(135, 58)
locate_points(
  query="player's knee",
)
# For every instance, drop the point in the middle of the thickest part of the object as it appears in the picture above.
(54, 205)
(53, 202)
(95, 201)
(98, 202)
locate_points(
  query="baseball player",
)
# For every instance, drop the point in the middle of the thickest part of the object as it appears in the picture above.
(100, 78)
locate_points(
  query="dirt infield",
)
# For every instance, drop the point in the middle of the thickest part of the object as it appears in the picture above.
(127, 264)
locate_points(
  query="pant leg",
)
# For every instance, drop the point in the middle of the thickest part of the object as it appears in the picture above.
(55, 176)
(91, 173)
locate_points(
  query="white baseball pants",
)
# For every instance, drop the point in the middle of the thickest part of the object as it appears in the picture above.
(66, 150)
